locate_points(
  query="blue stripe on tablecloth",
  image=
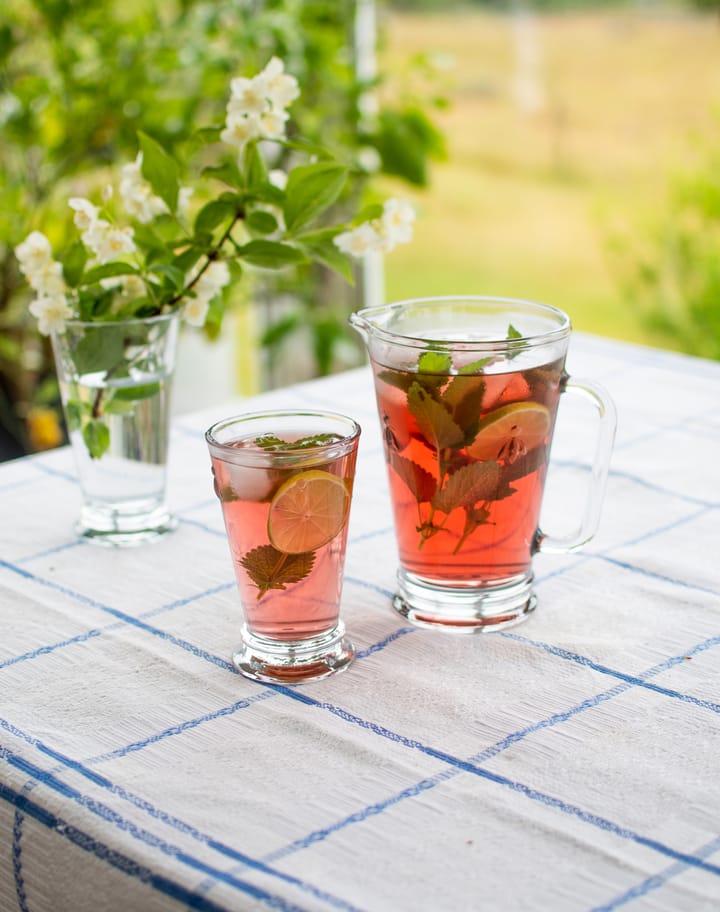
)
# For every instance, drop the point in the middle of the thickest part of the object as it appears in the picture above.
(635, 680)
(535, 794)
(122, 862)
(120, 615)
(657, 880)
(107, 814)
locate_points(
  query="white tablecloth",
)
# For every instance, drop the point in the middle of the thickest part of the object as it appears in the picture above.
(570, 763)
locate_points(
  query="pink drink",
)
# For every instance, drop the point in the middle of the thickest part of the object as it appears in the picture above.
(467, 458)
(287, 595)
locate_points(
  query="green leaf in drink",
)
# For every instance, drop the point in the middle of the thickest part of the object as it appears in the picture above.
(270, 568)
(97, 437)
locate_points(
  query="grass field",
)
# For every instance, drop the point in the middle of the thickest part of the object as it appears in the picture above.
(530, 196)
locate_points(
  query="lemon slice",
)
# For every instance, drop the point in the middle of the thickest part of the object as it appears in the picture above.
(307, 511)
(526, 422)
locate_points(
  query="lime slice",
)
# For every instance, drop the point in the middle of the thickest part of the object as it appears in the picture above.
(307, 511)
(527, 423)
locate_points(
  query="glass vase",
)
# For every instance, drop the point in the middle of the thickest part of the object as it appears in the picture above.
(115, 382)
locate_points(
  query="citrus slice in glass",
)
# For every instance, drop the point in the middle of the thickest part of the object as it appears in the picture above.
(527, 422)
(307, 511)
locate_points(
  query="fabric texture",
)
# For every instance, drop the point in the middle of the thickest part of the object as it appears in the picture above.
(569, 763)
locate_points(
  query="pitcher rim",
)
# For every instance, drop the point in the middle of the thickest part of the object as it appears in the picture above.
(156, 318)
(557, 332)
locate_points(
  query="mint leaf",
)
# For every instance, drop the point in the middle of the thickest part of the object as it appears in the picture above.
(96, 435)
(100, 348)
(271, 442)
(469, 485)
(133, 393)
(431, 362)
(513, 333)
(421, 482)
(269, 568)
(463, 398)
(433, 420)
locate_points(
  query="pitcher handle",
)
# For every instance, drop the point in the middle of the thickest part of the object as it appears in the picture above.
(600, 398)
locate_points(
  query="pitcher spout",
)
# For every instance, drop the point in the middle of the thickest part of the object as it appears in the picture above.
(360, 324)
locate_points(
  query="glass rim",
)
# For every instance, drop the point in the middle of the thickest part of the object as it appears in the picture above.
(332, 449)
(125, 321)
(561, 329)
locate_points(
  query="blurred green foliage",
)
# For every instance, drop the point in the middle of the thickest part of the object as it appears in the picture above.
(79, 79)
(671, 268)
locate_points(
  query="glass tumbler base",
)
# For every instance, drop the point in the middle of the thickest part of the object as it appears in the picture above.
(295, 661)
(111, 528)
(464, 609)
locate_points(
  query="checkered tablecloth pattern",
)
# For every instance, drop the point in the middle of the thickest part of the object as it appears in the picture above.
(570, 763)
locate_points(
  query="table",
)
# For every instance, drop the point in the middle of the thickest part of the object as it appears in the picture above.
(570, 763)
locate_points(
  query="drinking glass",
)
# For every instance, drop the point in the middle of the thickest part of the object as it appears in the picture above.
(115, 380)
(467, 391)
(284, 480)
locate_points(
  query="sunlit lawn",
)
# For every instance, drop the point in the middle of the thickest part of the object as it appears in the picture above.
(527, 203)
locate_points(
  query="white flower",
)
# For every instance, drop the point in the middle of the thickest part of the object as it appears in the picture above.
(368, 158)
(85, 213)
(51, 313)
(240, 130)
(247, 96)
(184, 197)
(257, 106)
(359, 241)
(278, 178)
(46, 278)
(381, 235)
(272, 124)
(136, 193)
(196, 310)
(33, 252)
(396, 223)
(43, 273)
(107, 242)
(282, 89)
(213, 280)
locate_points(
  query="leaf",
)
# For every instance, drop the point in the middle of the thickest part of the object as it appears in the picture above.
(97, 437)
(107, 271)
(433, 420)
(420, 482)
(74, 264)
(255, 167)
(73, 414)
(133, 393)
(269, 568)
(399, 379)
(101, 348)
(212, 213)
(526, 464)
(271, 254)
(432, 362)
(319, 246)
(513, 333)
(228, 173)
(160, 170)
(469, 485)
(261, 222)
(463, 398)
(310, 190)
(271, 442)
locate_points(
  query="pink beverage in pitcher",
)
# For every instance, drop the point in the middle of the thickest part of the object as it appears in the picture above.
(284, 481)
(467, 455)
(467, 390)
